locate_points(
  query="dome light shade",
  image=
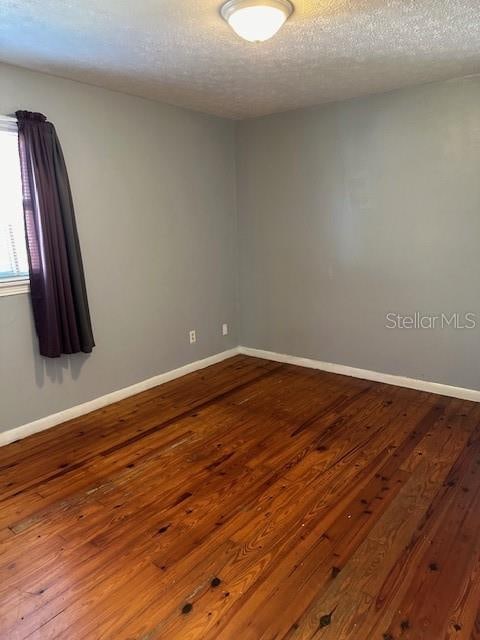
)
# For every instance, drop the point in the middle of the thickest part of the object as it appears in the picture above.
(256, 20)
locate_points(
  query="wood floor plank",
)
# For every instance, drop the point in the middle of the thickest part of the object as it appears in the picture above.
(250, 500)
(354, 596)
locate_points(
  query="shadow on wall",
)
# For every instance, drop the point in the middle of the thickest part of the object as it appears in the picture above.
(55, 369)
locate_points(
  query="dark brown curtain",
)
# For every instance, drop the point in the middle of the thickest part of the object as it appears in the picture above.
(57, 281)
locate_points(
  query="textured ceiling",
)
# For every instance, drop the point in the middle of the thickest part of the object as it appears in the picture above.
(181, 51)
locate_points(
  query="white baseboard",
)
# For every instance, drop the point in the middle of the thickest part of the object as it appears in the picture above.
(6, 437)
(365, 374)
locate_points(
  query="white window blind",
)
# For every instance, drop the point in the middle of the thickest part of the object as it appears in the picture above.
(13, 252)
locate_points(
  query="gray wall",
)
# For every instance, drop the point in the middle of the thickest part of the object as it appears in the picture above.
(356, 209)
(154, 188)
(346, 212)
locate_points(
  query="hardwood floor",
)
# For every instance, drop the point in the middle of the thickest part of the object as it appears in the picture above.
(247, 501)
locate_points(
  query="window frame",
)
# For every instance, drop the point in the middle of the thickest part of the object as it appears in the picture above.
(14, 286)
(17, 284)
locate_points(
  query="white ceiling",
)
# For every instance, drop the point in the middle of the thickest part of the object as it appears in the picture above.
(181, 51)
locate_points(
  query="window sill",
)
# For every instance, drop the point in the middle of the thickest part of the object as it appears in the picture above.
(14, 287)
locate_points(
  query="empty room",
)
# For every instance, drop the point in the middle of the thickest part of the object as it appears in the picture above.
(240, 320)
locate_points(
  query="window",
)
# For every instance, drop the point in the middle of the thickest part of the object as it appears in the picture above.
(13, 250)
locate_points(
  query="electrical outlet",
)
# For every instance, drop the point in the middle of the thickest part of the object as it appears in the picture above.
(192, 336)
(224, 329)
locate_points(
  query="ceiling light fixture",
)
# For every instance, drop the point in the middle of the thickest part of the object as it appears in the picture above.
(256, 20)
